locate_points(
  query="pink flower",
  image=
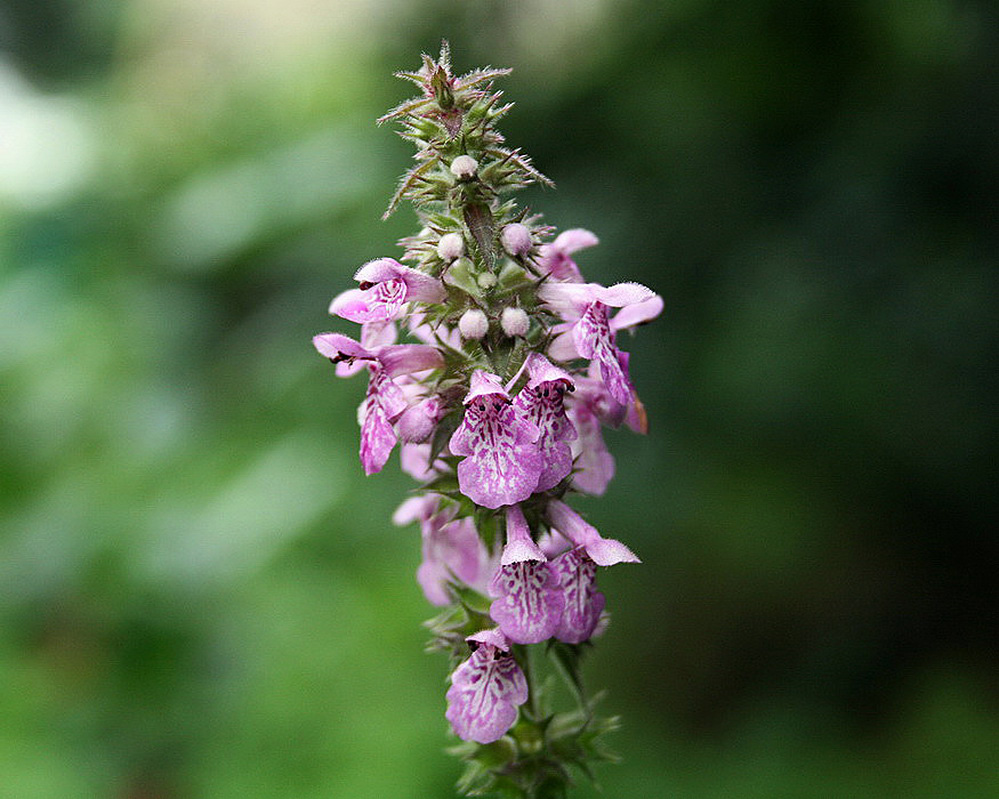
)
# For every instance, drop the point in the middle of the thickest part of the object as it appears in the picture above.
(502, 462)
(386, 286)
(577, 578)
(555, 257)
(589, 331)
(385, 401)
(577, 573)
(452, 550)
(529, 604)
(486, 690)
(540, 401)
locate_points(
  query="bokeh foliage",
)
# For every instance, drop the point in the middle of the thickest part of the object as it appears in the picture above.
(200, 595)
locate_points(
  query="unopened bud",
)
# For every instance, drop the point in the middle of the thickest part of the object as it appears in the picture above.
(464, 167)
(516, 239)
(473, 324)
(514, 321)
(450, 247)
(486, 280)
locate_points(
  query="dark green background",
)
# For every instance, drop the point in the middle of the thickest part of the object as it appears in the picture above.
(200, 593)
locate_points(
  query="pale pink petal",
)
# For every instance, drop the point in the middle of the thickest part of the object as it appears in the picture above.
(568, 300)
(553, 544)
(570, 241)
(415, 509)
(408, 358)
(608, 551)
(432, 579)
(637, 314)
(423, 288)
(352, 299)
(375, 335)
(541, 370)
(379, 270)
(603, 551)
(519, 544)
(418, 286)
(563, 347)
(558, 264)
(492, 637)
(621, 294)
(484, 384)
(591, 391)
(340, 347)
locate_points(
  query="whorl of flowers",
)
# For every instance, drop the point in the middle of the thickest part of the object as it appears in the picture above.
(497, 404)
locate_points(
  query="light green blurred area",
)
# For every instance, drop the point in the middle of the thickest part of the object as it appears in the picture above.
(200, 593)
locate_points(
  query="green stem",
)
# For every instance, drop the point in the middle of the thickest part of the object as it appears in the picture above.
(527, 664)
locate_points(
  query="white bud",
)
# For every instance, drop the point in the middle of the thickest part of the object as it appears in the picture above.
(464, 167)
(514, 321)
(516, 239)
(450, 247)
(473, 324)
(486, 280)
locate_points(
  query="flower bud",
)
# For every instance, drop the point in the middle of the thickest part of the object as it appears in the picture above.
(418, 421)
(514, 321)
(486, 280)
(516, 239)
(451, 247)
(464, 167)
(473, 324)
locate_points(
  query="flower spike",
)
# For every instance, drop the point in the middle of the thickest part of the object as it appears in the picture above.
(495, 366)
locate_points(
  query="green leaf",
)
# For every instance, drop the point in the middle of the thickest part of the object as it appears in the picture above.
(460, 275)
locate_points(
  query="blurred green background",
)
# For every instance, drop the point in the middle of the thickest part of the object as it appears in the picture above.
(201, 595)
